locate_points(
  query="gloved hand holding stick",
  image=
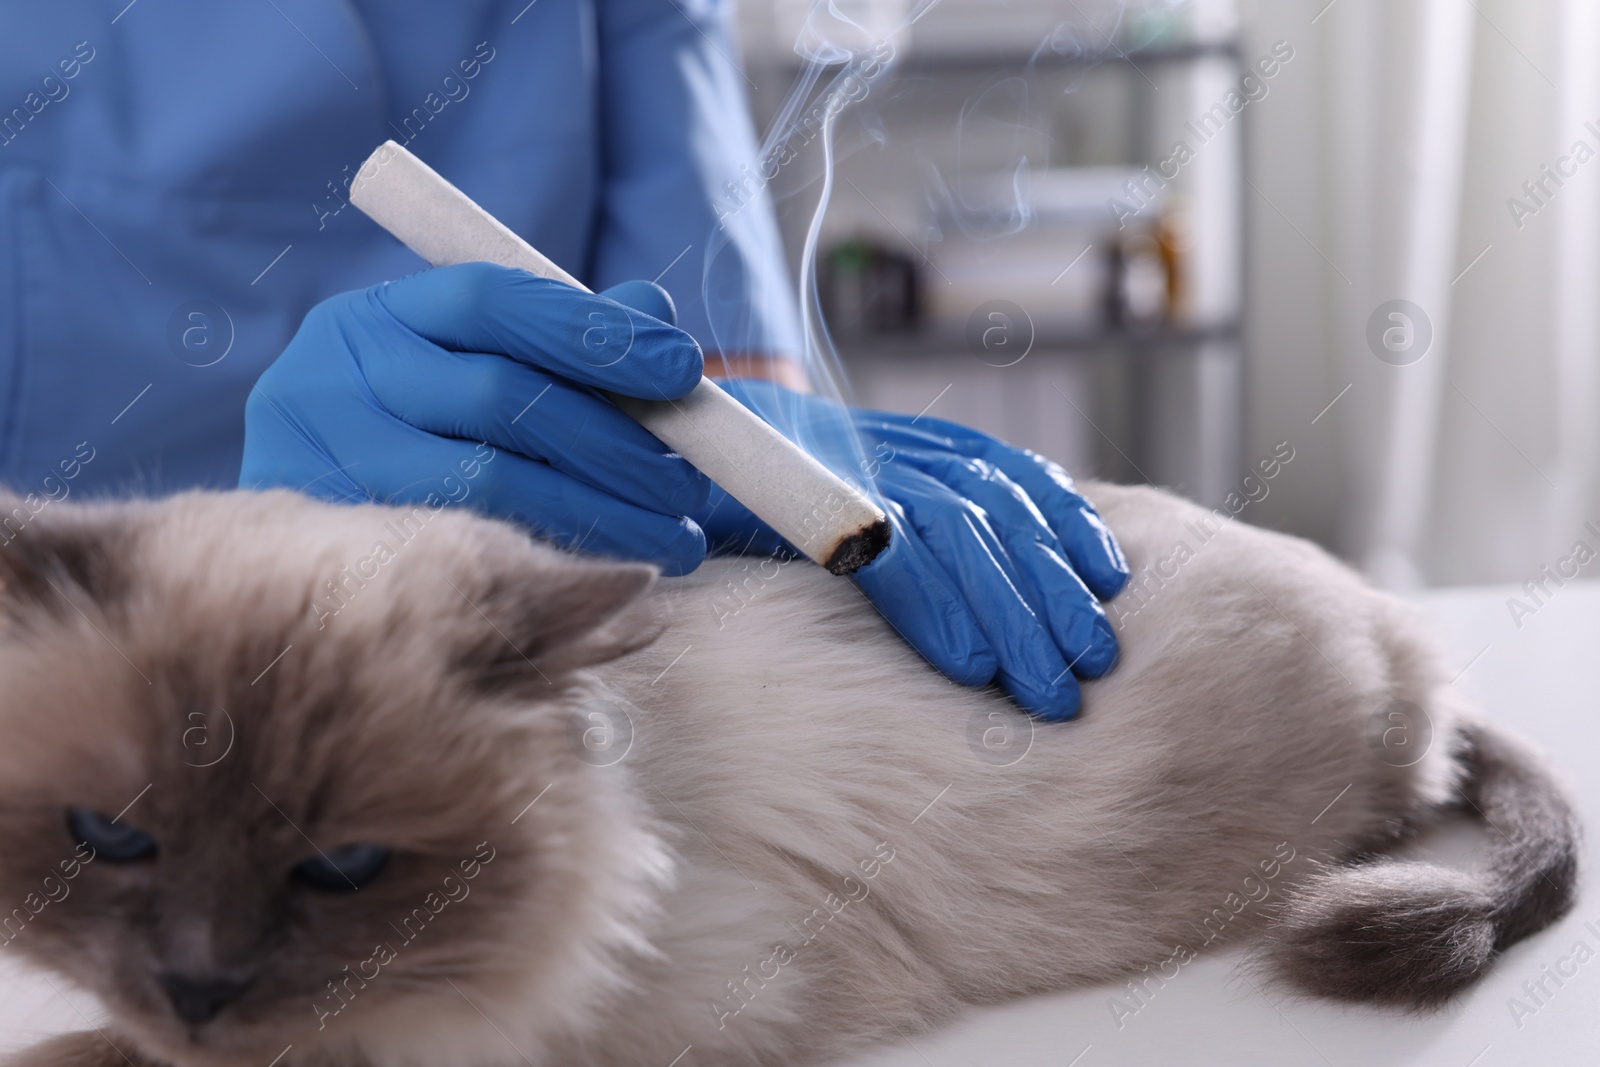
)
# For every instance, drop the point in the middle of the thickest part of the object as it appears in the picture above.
(811, 507)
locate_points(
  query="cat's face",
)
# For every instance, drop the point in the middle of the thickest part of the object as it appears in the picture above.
(249, 808)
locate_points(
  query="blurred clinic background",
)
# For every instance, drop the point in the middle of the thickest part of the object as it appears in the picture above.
(1175, 240)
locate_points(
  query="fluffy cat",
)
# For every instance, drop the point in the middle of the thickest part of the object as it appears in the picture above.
(383, 786)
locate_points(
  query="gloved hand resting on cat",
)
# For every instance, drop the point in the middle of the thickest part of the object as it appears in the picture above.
(383, 394)
(996, 561)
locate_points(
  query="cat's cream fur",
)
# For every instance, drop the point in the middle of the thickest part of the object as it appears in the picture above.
(811, 842)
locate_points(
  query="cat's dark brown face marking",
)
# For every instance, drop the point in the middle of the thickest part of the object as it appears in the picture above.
(171, 676)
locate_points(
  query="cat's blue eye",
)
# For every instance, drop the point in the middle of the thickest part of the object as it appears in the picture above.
(345, 868)
(111, 840)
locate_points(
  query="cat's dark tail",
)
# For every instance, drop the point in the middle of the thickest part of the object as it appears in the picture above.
(1412, 934)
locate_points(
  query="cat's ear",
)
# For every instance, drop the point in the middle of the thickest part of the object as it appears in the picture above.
(50, 564)
(559, 618)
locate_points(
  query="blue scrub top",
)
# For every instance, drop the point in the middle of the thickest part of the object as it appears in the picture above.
(173, 193)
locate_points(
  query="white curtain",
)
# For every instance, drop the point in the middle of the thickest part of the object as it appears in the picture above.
(1385, 169)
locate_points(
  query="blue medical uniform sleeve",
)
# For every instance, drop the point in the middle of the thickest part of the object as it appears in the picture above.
(682, 198)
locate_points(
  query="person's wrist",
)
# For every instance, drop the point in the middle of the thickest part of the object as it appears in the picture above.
(781, 370)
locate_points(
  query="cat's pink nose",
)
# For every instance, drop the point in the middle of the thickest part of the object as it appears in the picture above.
(197, 998)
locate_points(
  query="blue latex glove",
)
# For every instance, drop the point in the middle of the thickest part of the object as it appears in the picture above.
(389, 394)
(996, 562)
